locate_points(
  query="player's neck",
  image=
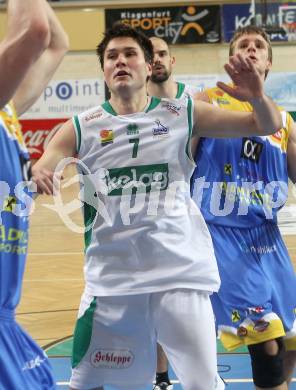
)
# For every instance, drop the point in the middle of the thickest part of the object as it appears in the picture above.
(129, 104)
(168, 89)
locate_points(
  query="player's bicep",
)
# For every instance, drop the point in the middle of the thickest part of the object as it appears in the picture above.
(62, 145)
(212, 121)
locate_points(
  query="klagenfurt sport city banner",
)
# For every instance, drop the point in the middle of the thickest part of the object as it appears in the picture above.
(183, 24)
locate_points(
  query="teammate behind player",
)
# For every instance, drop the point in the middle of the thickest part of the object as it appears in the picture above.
(162, 84)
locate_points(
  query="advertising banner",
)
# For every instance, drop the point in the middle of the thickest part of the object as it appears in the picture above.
(183, 24)
(276, 14)
(66, 98)
(38, 132)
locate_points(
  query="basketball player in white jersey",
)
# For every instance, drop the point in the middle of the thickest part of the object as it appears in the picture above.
(149, 260)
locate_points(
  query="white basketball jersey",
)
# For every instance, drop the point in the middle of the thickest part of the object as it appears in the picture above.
(143, 231)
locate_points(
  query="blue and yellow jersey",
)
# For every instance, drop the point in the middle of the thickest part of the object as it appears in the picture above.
(14, 162)
(244, 180)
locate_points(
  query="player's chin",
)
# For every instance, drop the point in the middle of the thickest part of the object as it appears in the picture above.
(122, 85)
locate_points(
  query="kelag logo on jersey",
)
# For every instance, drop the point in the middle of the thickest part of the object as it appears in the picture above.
(251, 149)
(138, 179)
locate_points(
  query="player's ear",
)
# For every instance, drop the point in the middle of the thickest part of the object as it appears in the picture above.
(269, 65)
(149, 69)
(173, 60)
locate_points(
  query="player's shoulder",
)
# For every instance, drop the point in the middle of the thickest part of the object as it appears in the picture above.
(91, 115)
(287, 119)
(177, 102)
(175, 105)
(8, 111)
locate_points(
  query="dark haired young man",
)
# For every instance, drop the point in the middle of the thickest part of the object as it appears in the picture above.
(149, 262)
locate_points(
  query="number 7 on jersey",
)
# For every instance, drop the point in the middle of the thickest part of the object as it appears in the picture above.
(134, 141)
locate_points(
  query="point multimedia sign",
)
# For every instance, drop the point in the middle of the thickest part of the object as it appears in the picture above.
(184, 24)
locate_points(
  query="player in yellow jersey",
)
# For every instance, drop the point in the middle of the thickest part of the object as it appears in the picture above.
(247, 182)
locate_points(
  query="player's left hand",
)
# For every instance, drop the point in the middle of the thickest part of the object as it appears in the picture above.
(248, 83)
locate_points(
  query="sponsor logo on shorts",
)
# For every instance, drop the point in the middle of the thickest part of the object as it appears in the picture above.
(242, 331)
(112, 358)
(261, 325)
(228, 169)
(235, 316)
(31, 364)
(256, 310)
(260, 250)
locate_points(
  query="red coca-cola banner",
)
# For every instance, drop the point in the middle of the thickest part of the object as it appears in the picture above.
(38, 132)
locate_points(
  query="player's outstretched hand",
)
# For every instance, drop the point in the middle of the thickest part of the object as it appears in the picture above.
(247, 82)
(45, 180)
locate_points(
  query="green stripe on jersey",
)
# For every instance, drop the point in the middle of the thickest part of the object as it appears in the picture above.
(78, 132)
(154, 102)
(107, 107)
(181, 88)
(189, 113)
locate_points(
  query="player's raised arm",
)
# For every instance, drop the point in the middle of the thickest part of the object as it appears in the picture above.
(27, 36)
(43, 69)
(265, 119)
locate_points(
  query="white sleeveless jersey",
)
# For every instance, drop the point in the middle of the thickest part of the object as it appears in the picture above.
(143, 231)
